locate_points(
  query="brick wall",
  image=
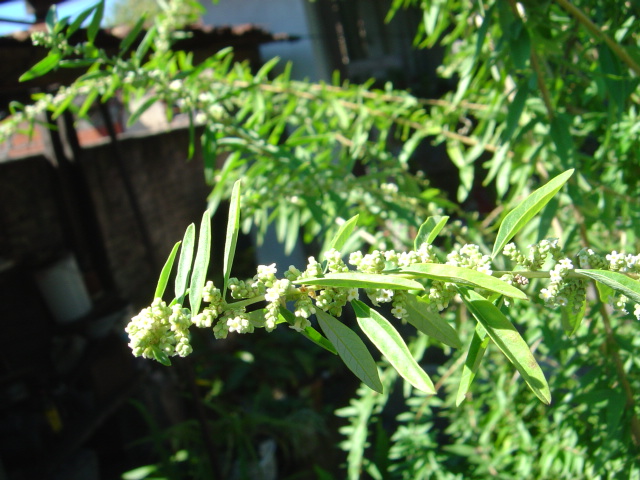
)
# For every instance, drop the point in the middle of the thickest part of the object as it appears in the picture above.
(170, 190)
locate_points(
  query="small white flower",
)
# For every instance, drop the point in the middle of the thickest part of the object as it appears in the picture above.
(555, 276)
(352, 294)
(485, 269)
(546, 295)
(384, 295)
(267, 269)
(565, 263)
(398, 311)
(272, 295)
(238, 324)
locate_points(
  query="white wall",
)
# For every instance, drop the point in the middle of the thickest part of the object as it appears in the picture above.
(278, 16)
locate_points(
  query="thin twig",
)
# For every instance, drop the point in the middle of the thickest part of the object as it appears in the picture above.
(544, 91)
(597, 32)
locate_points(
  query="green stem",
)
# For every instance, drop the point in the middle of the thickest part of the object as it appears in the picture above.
(244, 303)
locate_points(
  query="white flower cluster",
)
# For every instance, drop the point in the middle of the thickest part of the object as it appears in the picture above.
(160, 328)
(468, 256)
(587, 258)
(538, 253)
(373, 262)
(619, 262)
(556, 293)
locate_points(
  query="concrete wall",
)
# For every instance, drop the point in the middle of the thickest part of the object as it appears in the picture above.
(171, 192)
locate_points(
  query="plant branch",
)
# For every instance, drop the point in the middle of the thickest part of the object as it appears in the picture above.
(622, 375)
(615, 351)
(597, 32)
(544, 91)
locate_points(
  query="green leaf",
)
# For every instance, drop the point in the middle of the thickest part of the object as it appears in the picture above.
(233, 228)
(192, 137)
(160, 356)
(63, 106)
(309, 333)
(429, 230)
(146, 42)
(144, 106)
(343, 234)
(604, 292)
(424, 319)
(618, 281)
(77, 22)
(362, 280)
(351, 350)
(515, 110)
(51, 18)
(509, 341)
(387, 339)
(88, 102)
(94, 26)
(166, 271)
(527, 209)
(201, 264)
(462, 276)
(43, 66)
(132, 35)
(571, 318)
(477, 347)
(520, 45)
(265, 69)
(560, 133)
(184, 263)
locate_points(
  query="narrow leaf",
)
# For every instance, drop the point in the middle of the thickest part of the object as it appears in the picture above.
(429, 230)
(477, 347)
(63, 106)
(192, 137)
(233, 228)
(430, 323)
(387, 339)
(618, 281)
(462, 276)
(265, 69)
(132, 35)
(184, 263)
(362, 280)
(146, 42)
(515, 110)
(143, 107)
(77, 22)
(571, 317)
(351, 350)
(527, 209)
(43, 66)
(604, 292)
(51, 18)
(166, 271)
(309, 333)
(343, 234)
(201, 264)
(160, 356)
(94, 26)
(88, 102)
(509, 341)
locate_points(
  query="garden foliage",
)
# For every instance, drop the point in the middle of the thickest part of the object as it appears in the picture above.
(533, 309)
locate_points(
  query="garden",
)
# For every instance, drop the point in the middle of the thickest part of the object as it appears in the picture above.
(483, 325)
